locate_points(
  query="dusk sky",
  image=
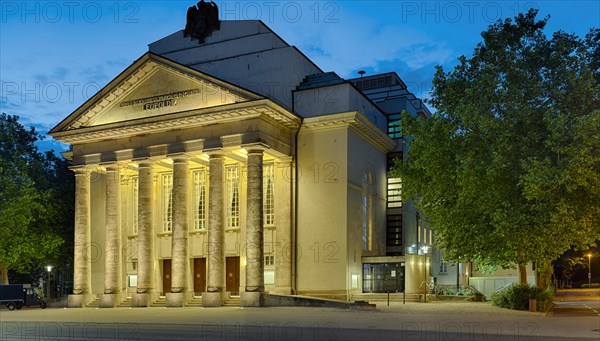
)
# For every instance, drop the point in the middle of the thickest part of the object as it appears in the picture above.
(55, 55)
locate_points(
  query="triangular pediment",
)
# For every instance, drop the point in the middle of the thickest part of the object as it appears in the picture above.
(153, 86)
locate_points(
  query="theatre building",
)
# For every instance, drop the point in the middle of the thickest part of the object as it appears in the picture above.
(225, 163)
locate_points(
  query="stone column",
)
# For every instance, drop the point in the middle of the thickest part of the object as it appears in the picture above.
(283, 222)
(214, 296)
(177, 296)
(112, 259)
(82, 256)
(255, 278)
(145, 269)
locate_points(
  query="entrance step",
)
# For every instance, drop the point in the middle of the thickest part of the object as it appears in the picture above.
(125, 304)
(160, 302)
(94, 304)
(232, 301)
(195, 302)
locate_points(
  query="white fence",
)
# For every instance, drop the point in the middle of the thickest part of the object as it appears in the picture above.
(487, 285)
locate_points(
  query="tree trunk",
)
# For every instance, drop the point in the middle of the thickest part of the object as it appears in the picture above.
(4, 272)
(544, 274)
(522, 268)
(522, 274)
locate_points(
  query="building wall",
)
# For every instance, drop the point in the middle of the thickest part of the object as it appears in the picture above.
(322, 221)
(246, 53)
(366, 180)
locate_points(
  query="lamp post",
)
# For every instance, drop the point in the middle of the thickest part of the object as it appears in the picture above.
(49, 269)
(590, 269)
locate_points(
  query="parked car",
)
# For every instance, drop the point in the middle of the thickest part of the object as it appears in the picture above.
(16, 296)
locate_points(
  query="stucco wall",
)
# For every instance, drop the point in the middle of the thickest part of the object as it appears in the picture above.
(322, 221)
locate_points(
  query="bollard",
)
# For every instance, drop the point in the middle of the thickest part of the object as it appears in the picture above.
(532, 305)
(388, 298)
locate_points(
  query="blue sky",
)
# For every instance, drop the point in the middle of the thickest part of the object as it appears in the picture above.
(56, 54)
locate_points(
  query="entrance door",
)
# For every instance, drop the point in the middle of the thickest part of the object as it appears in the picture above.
(166, 275)
(232, 271)
(199, 275)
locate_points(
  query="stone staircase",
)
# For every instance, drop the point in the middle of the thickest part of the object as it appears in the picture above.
(195, 302)
(382, 297)
(94, 304)
(125, 304)
(232, 301)
(160, 302)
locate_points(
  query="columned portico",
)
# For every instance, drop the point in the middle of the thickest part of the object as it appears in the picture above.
(145, 267)
(215, 294)
(179, 263)
(255, 286)
(82, 256)
(112, 259)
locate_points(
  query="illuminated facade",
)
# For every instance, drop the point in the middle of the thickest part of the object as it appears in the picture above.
(237, 166)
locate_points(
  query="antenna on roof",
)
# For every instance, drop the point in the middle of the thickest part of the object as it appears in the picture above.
(361, 73)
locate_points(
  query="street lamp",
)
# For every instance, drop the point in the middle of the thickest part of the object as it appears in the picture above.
(589, 269)
(49, 269)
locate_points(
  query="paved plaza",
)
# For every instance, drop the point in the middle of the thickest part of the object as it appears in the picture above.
(410, 321)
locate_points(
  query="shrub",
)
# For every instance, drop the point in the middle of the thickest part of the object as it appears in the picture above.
(592, 285)
(517, 297)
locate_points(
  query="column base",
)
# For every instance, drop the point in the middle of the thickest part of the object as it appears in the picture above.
(213, 299)
(140, 300)
(78, 301)
(109, 300)
(176, 299)
(251, 299)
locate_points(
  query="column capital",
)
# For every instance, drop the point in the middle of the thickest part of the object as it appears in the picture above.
(255, 148)
(81, 170)
(145, 163)
(114, 166)
(216, 153)
(180, 158)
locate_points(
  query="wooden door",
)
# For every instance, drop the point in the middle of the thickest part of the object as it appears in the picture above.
(166, 275)
(199, 275)
(232, 273)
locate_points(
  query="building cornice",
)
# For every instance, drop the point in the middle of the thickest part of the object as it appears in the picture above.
(182, 120)
(354, 120)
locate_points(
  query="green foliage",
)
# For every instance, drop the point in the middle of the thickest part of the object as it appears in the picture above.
(517, 297)
(508, 169)
(591, 285)
(33, 191)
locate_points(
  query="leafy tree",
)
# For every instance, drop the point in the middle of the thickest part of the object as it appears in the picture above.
(26, 238)
(508, 169)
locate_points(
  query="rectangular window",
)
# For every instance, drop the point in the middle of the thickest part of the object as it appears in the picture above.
(394, 192)
(134, 205)
(200, 199)
(443, 267)
(394, 129)
(269, 260)
(167, 202)
(268, 194)
(233, 196)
